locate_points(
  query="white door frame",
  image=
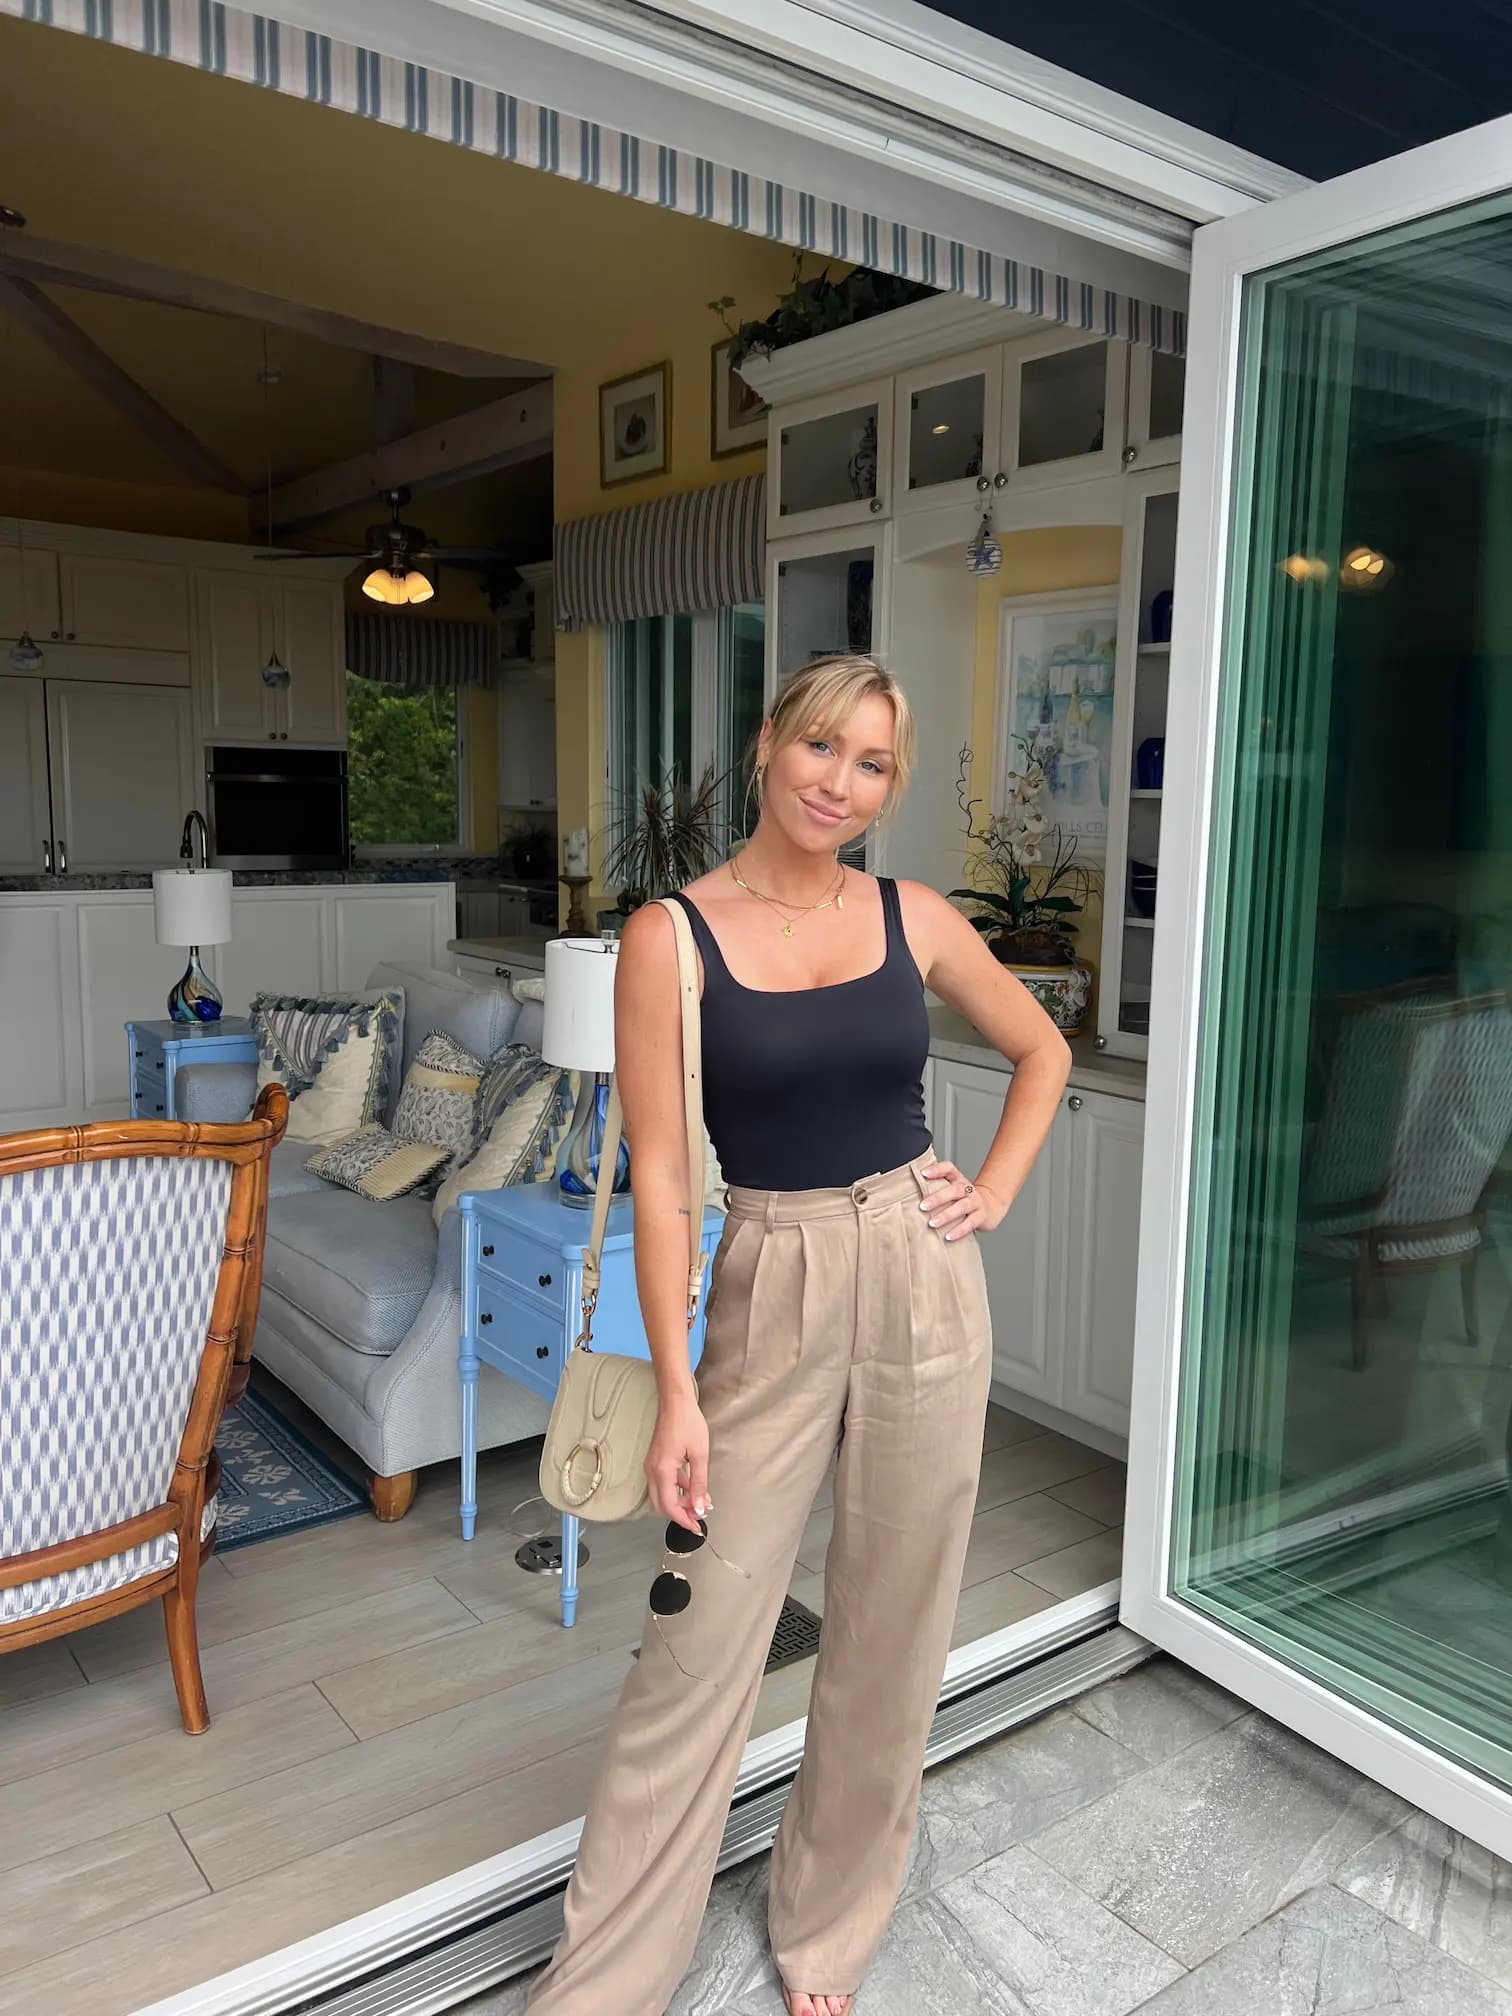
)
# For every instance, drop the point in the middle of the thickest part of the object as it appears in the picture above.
(1427, 180)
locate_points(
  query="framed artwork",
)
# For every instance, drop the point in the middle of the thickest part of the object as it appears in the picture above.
(1056, 660)
(738, 417)
(635, 421)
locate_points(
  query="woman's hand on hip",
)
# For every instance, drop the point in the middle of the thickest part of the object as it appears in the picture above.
(677, 1463)
(957, 1205)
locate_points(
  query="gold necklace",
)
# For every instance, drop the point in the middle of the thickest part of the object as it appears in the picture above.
(836, 896)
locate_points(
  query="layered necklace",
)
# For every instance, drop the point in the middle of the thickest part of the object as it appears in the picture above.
(836, 896)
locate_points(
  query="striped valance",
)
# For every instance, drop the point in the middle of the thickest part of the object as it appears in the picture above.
(702, 549)
(257, 49)
(416, 651)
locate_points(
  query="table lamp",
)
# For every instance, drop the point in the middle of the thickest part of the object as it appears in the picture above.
(192, 906)
(577, 1032)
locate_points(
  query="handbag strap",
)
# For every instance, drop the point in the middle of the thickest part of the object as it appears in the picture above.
(687, 988)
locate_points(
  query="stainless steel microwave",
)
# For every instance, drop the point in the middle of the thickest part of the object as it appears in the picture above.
(278, 809)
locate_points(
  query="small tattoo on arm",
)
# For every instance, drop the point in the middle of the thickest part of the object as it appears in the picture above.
(683, 1211)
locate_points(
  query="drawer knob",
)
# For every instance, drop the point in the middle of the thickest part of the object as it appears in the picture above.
(543, 1350)
(488, 1252)
(140, 1054)
(485, 1319)
(158, 1108)
(1075, 1102)
(543, 1280)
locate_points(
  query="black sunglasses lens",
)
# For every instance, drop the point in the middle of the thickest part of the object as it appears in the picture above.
(670, 1594)
(681, 1541)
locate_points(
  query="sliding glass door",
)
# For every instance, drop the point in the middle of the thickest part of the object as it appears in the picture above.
(1319, 1478)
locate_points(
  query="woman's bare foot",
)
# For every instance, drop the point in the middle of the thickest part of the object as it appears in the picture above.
(800, 2004)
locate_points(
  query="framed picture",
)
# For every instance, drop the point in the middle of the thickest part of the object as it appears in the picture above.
(1056, 660)
(634, 425)
(738, 417)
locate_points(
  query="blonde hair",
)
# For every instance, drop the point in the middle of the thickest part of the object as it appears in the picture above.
(823, 694)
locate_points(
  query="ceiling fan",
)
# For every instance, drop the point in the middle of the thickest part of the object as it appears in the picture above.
(394, 550)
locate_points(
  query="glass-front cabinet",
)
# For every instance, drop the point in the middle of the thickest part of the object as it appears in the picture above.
(1063, 408)
(831, 460)
(1141, 691)
(1157, 393)
(947, 428)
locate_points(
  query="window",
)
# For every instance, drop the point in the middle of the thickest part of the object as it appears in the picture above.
(684, 692)
(404, 765)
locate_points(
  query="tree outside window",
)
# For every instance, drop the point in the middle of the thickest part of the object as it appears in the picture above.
(403, 765)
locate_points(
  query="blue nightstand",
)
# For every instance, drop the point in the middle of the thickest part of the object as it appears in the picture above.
(155, 1050)
(522, 1288)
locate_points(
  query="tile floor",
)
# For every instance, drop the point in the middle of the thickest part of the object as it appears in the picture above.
(1153, 1846)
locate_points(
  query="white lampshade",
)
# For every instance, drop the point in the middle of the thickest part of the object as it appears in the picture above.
(191, 906)
(578, 1022)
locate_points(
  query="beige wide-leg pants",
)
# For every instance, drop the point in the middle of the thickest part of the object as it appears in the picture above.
(833, 1315)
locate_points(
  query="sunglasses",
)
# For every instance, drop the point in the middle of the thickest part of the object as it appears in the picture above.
(671, 1593)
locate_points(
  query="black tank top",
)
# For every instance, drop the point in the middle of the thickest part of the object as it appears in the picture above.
(812, 1088)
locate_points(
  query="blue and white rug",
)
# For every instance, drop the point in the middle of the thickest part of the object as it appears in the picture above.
(273, 1480)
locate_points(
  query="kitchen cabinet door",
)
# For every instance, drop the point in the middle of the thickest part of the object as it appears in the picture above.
(29, 595)
(122, 766)
(40, 1065)
(307, 622)
(139, 604)
(25, 820)
(235, 638)
(1102, 1141)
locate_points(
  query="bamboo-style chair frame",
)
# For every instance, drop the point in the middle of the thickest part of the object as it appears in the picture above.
(225, 1365)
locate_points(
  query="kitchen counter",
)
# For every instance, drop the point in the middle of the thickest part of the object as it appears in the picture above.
(523, 945)
(952, 1036)
(245, 878)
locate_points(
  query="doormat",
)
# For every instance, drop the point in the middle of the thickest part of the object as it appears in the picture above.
(796, 1636)
(272, 1480)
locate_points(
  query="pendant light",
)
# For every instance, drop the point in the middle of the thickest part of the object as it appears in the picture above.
(26, 654)
(275, 673)
(397, 586)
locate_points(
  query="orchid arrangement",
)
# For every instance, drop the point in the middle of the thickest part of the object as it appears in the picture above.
(1030, 883)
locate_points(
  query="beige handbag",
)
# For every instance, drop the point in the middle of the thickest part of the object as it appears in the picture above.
(593, 1461)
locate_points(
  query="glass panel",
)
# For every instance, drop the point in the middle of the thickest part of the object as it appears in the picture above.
(1167, 392)
(824, 604)
(1152, 666)
(1061, 400)
(654, 702)
(1343, 1496)
(829, 461)
(945, 432)
(402, 768)
(740, 705)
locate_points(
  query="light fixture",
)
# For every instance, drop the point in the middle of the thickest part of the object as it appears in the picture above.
(396, 587)
(943, 427)
(26, 653)
(1364, 568)
(1304, 567)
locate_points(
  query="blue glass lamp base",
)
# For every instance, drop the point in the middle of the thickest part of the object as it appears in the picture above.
(583, 1144)
(195, 997)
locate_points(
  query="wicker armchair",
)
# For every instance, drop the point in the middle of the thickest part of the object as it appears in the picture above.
(1416, 1115)
(130, 1267)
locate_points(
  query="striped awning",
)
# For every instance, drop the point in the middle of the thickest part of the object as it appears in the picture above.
(417, 651)
(702, 549)
(256, 49)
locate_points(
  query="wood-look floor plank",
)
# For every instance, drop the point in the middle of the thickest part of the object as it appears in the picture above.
(1086, 1565)
(1003, 1426)
(1034, 1464)
(1100, 1494)
(94, 1796)
(290, 1814)
(94, 1889)
(1025, 1529)
(113, 1713)
(36, 1671)
(485, 1576)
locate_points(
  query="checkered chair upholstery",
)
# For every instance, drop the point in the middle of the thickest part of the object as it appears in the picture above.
(130, 1266)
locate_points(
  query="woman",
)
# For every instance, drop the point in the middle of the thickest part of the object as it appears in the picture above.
(846, 1308)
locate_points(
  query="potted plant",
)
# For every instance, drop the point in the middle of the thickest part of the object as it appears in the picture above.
(815, 305)
(662, 836)
(1029, 888)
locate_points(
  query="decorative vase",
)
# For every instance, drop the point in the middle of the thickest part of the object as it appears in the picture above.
(1149, 763)
(862, 466)
(195, 996)
(1160, 618)
(583, 1145)
(1064, 992)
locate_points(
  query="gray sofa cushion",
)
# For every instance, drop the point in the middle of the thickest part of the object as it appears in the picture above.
(287, 1174)
(477, 1011)
(361, 1270)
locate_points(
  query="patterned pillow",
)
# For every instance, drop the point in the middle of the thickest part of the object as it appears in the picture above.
(440, 1095)
(528, 1104)
(377, 1164)
(332, 1052)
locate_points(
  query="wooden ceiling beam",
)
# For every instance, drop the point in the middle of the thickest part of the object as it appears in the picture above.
(517, 428)
(25, 257)
(80, 352)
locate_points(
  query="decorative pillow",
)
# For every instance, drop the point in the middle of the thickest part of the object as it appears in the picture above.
(528, 1104)
(376, 1164)
(440, 1095)
(333, 1053)
(529, 987)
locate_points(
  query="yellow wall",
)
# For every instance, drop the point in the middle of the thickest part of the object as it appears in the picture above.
(1038, 563)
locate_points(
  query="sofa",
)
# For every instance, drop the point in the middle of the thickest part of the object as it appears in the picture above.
(361, 1301)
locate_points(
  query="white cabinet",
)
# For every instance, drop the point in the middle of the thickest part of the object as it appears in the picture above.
(947, 429)
(1061, 1266)
(831, 460)
(25, 815)
(1063, 408)
(823, 594)
(29, 594)
(1157, 393)
(136, 604)
(502, 971)
(1140, 697)
(40, 1067)
(527, 746)
(122, 772)
(244, 620)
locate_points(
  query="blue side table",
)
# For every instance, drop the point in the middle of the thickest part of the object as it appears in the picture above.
(522, 1288)
(155, 1050)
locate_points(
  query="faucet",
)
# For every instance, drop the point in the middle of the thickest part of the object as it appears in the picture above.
(186, 844)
